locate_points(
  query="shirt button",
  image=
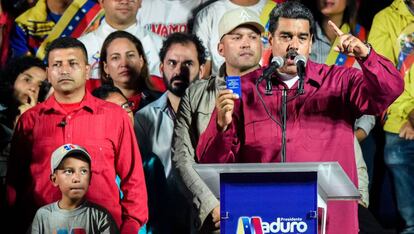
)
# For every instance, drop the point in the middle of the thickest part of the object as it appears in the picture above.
(69, 117)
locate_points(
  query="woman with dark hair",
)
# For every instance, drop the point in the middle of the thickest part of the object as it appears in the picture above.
(22, 86)
(123, 64)
(341, 12)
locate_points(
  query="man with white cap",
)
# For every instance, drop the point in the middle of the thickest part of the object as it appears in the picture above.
(241, 47)
(206, 26)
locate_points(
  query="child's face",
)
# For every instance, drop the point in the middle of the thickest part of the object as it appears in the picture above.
(72, 178)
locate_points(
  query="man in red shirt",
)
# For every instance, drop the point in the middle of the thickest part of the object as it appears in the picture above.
(73, 115)
(319, 121)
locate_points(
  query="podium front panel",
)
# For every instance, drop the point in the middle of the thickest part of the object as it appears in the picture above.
(268, 202)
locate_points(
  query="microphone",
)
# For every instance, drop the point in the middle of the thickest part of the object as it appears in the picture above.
(300, 62)
(62, 123)
(276, 63)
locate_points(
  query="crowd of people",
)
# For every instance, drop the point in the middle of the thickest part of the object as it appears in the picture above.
(106, 106)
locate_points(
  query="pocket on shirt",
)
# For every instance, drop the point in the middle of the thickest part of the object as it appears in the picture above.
(102, 154)
(261, 131)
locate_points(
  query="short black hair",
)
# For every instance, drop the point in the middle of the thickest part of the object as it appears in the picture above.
(105, 90)
(183, 38)
(66, 43)
(291, 10)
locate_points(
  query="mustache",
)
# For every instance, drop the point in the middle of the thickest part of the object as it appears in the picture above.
(184, 76)
(291, 53)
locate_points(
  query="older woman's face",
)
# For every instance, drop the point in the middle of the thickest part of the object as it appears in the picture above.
(331, 7)
(123, 63)
(27, 84)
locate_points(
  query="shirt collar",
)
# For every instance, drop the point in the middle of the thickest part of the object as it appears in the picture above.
(106, 29)
(315, 73)
(88, 103)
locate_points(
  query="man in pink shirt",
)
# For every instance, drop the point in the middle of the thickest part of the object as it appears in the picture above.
(319, 121)
(73, 115)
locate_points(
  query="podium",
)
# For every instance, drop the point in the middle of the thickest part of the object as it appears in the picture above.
(258, 198)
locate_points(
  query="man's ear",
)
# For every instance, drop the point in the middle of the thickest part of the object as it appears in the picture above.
(202, 71)
(88, 71)
(53, 179)
(161, 69)
(220, 49)
(270, 38)
(47, 74)
(311, 42)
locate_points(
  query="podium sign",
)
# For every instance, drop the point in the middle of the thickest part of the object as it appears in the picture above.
(274, 202)
(259, 198)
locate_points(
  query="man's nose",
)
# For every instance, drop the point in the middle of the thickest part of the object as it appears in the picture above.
(245, 42)
(64, 69)
(294, 44)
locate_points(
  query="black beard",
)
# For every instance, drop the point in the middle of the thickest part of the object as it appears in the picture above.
(179, 89)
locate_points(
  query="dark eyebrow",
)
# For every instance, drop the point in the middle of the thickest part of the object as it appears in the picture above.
(27, 74)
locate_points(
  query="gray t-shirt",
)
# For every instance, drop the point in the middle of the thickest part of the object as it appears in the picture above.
(87, 218)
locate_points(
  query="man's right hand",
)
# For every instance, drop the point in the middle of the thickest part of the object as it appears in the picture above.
(215, 214)
(225, 107)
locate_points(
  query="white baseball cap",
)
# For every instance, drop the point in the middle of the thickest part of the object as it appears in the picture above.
(65, 150)
(236, 17)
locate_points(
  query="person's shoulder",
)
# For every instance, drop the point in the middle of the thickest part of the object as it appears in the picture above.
(95, 207)
(142, 33)
(46, 210)
(153, 108)
(108, 108)
(97, 211)
(200, 84)
(89, 37)
(38, 12)
(252, 76)
(34, 112)
(211, 8)
(393, 11)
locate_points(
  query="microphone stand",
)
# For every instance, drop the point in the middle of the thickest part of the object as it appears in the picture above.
(284, 117)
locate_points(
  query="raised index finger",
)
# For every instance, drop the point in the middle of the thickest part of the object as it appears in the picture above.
(337, 31)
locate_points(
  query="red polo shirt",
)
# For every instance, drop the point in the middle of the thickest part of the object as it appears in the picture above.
(105, 130)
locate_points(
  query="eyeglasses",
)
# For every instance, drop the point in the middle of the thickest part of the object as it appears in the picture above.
(127, 106)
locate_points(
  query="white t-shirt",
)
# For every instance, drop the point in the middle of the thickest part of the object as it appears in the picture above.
(164, 17)
(206, 27)
(151, 42)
